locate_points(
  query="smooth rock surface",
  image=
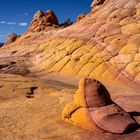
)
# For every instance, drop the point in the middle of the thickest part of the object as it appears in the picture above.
(93, 101)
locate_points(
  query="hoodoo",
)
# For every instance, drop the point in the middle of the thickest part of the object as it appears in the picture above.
(43, 22)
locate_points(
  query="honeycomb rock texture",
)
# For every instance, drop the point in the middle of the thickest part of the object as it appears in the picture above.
(104, 45)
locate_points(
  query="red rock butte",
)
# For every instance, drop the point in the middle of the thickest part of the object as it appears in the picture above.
(40, 70)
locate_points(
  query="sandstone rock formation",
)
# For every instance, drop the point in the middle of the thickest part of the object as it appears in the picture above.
(81, 16)
(93, 107)
(96, 3)
(104, 45)
(11, 38)
(43, 22)
(38, 15)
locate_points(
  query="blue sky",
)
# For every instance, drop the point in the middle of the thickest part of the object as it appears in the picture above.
(15, 15)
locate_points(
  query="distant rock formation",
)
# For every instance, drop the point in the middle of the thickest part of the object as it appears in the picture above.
(11, 38)
(97, 2)
(43, 21)
(38, 14)
(81, 16)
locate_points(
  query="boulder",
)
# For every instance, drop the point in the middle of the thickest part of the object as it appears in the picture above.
(97, 2)
(11, 38)
(81, 16)
(93, 107)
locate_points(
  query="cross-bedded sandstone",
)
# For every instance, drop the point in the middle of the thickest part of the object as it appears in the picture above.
(104, 45)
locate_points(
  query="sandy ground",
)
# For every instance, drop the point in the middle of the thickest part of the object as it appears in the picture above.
(37, 115)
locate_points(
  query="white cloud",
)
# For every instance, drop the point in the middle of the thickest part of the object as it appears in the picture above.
(14, 23)
(2, 22)
(1, 35)
(11, 23)
(22, 24)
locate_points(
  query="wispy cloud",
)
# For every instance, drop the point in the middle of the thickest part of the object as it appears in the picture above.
(1, 35)
(11, 23)
(2, 22)
(23, 15)
(22, 24)
(14, 23)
